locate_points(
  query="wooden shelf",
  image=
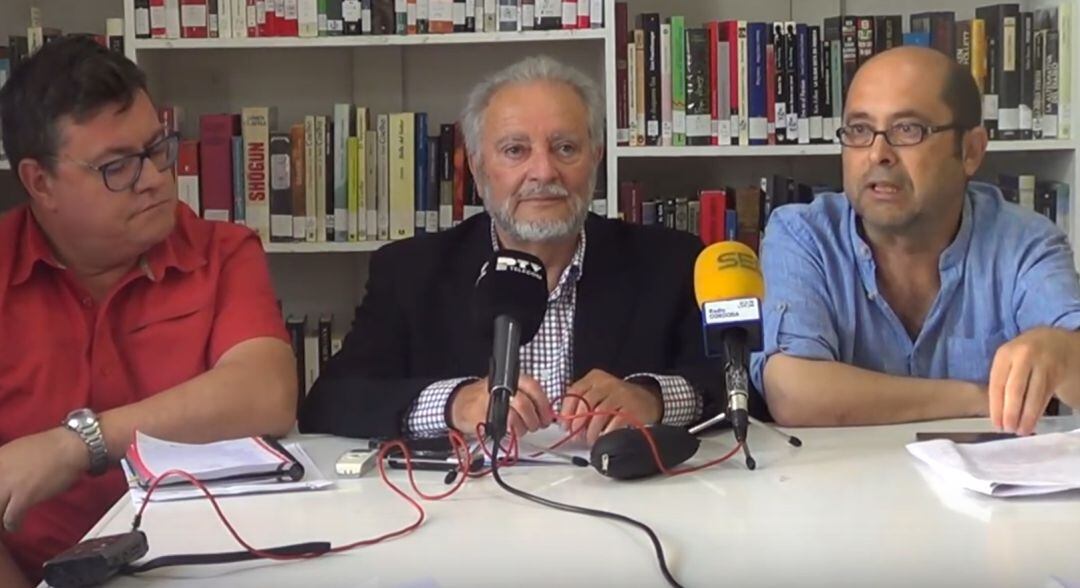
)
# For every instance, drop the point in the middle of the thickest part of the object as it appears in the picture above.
(370, 40)
(358, 247)
(820, 149)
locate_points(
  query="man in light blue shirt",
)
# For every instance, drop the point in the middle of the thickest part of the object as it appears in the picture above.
(917, 294)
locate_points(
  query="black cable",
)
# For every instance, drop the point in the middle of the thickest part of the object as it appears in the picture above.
(309, 549)
(660, 559)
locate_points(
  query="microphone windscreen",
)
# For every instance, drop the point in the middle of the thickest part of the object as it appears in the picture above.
(727, 270)
(511, 283)
(625, 454)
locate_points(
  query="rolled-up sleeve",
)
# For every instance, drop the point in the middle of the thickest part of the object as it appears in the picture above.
(1047, 286)
(798, 316)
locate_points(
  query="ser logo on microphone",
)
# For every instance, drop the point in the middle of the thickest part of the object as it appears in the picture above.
(733, 259)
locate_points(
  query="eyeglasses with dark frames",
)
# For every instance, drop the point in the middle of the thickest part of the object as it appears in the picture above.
(903, 134)
(124, 172)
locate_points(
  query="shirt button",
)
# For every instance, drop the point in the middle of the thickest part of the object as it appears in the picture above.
(87, 302)
(871, 295)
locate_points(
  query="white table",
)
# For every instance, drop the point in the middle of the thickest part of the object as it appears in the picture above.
(851, 508)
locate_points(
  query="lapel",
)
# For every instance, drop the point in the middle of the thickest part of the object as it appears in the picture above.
(457, 288)
(606, 297)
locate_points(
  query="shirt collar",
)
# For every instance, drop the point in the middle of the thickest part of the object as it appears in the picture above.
(573, 271)
(176, 251)
(953, 255)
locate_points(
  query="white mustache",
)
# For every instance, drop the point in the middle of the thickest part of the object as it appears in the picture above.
(545, 191)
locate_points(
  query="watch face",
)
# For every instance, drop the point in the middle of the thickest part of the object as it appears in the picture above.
(80, 418)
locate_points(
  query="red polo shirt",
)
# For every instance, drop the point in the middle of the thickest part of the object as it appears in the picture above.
(195, 295)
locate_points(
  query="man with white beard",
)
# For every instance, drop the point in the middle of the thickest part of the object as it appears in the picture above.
(621, 328)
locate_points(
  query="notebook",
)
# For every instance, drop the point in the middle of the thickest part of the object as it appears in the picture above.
(247, 458)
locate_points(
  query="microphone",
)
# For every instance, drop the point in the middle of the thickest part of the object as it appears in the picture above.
(729, 288)
(509, 305)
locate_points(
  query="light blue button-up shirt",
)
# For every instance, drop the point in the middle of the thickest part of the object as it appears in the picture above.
(1008, 270)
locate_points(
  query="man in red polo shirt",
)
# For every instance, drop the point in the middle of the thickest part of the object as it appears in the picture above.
(120, 310)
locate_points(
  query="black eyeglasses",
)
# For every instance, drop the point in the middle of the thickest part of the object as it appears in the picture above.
(121, 174)
(902, 134)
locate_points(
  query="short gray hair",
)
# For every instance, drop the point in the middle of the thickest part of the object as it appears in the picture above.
(531, 69)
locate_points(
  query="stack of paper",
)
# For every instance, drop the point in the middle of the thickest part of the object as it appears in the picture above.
(1039, 464)
(239, 466)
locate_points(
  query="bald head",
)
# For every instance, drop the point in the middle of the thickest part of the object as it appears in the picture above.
(925, 72)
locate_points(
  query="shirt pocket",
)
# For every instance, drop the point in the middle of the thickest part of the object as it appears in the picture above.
(969, 358)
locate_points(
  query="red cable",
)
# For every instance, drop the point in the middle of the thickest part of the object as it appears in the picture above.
(461, 451)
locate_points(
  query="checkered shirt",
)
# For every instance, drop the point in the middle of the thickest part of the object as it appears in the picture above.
(549, 358)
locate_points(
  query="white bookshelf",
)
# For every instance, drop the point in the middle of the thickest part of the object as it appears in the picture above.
(434, 73)
(369, 40)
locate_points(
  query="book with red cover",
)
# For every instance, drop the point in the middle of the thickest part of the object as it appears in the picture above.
(216, 132)
(194, 22)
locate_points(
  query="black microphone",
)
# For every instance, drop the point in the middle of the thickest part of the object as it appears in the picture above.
(510, 302)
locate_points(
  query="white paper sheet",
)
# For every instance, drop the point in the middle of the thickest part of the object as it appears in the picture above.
(1040, 464)
(313, 480)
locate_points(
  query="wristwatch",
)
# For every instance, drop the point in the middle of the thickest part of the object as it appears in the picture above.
(84, 422)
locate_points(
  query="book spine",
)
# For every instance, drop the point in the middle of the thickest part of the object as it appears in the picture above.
(114, 34)
(343, 127)
(256, 128)
(187, 175)
(142, 19)
(816, 106)
(802, 42)
(307, 18)
(216, 134)
(651, 26)
(298, 175)
(1038, 46)
(446, 176)
(402, 181)
(328, 179)
(383, 159)
(1009, 91)
(665, 84)
(311, 186)
(431, 183)
(281, 218)
(758, 126)
(640, 83)
(1027, 72)
(1051, 86)
(1065, 71)
(744, 84)
(713, 28)
(157, 19)
(371, 183)
(698, 131)
(678, 81)
(420, 174)
(723, 87)
(352, 153)
(508, 16)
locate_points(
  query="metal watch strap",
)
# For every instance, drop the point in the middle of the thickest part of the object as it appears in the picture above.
(95, 442)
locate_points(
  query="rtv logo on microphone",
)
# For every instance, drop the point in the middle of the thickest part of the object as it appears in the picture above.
(521, 266)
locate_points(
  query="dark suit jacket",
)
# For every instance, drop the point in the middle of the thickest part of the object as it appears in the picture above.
(635, 313)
